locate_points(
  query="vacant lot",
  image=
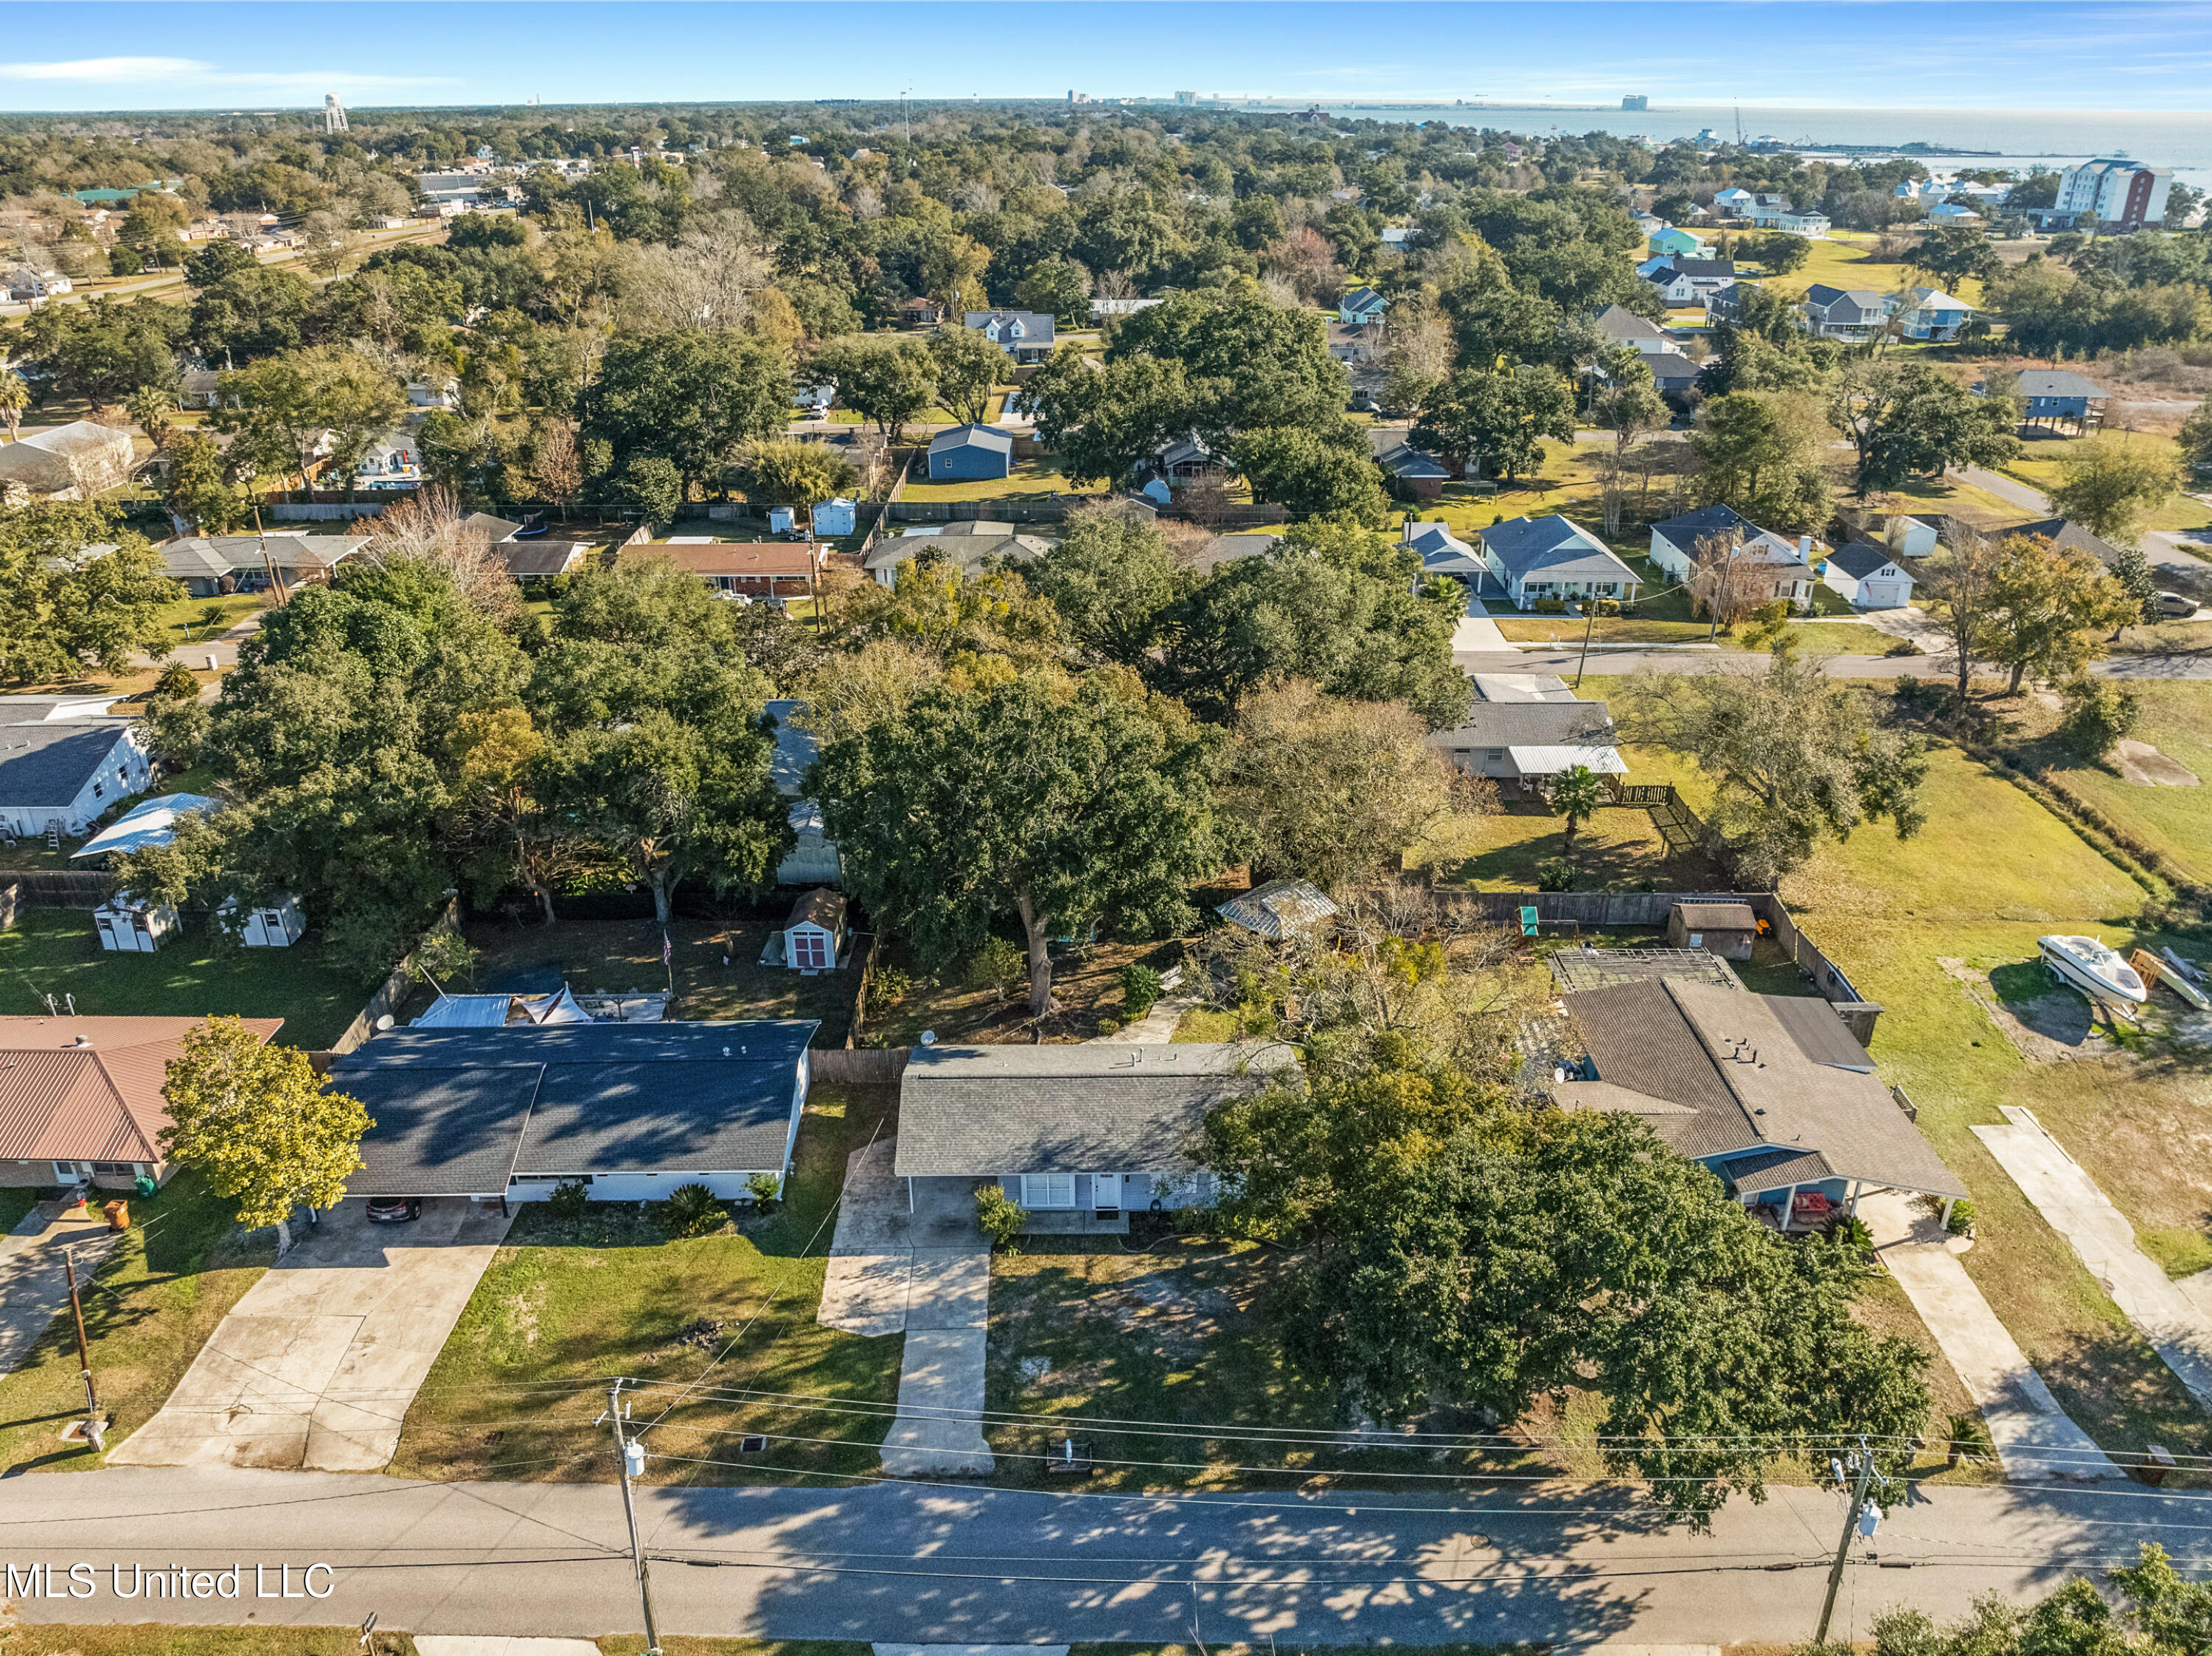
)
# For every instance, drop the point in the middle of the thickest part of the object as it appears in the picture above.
(55, 951)
(2041, 465)
(155, 1302)
(610, 956)
(574, 1302)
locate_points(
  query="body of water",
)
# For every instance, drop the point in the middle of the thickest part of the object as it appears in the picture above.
(2017, 139)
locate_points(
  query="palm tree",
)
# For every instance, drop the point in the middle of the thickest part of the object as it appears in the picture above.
(1576, 792)
(15, 397)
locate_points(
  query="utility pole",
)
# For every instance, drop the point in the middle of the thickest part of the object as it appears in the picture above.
(1590, 620)
(1843, 1546)
(630, 1458)
(83, 1351)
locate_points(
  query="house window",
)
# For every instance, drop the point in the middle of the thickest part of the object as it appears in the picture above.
(98, 791)
(1047, 1190)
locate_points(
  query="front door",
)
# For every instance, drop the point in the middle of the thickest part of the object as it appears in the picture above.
(1106, 1194)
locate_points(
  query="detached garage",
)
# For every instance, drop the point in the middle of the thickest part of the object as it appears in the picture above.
(1867, 575)
(633, 1110)
(971, 452)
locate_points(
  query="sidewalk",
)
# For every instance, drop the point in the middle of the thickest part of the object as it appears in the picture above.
(2168, 1315)
(925, 1273)
(34, 1281)
(2034, 1439)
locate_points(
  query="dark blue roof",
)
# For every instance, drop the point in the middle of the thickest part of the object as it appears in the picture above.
(48, 764)
(459, 1110)
(1706, 519)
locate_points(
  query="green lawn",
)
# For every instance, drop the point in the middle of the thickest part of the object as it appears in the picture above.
(16, 1201)
(2176, 720)
(156, 1299)
(1030, 480)
(156, 1639)
(610, 1294)
(180, 621)
(2040, 465)
(55, 951)
(1618, 849)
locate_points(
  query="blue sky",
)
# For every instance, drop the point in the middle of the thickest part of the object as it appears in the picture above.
(1926, 54)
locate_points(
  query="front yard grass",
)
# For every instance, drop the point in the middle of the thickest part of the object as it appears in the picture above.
(153, 1639)
(1030, 480)
(2041, 465)
(615, 956)
(2177, 822)
(155, 1300)
(56, 951)
(608, 1293)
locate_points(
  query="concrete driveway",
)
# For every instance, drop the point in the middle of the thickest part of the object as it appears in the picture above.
(314, 1369)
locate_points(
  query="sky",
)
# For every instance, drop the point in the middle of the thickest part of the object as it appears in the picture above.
(2114, 55)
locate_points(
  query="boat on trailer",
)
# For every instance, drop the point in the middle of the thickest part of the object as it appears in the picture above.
(2097, 971)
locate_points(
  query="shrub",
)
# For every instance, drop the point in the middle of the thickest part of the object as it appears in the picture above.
(1109, 1025)
(1904, 646)
(1851, 1233)
(1555, 874)
(568, 1200)
(2098, 717)
(999, 966)
(998, 1215)
(1550, 606)
(1140, 990)
(888, 984)
(1969, 1439)
(764, 1188)
(691, 1210)
(176, 683)
(1962, 1217)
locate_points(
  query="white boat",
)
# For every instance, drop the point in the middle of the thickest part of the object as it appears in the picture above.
(2096, 971)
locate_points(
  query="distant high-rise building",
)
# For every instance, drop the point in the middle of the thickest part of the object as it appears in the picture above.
(333, 113)
(1186, 97)
(1635, 100)
(2121, 194)
(1078, 97)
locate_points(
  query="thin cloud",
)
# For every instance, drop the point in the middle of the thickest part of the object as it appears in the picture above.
(107, 68)
(186, 72)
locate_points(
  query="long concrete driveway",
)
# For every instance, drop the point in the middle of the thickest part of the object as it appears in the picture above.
(34, 1279)
(2035, 1441)
(2099, 1234)
(315, 1367)
(923, 1271)
(1417, 1563)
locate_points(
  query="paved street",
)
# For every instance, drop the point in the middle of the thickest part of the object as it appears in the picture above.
(949, 1564)
(2193, 664)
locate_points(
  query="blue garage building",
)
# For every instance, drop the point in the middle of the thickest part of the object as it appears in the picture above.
(966, 452)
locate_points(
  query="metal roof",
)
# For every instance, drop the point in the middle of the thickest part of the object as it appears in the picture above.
(149, 823)
(89, 1089)
(1530, 725)
(1277, 907)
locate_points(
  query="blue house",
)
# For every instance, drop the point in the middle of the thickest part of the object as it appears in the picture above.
(971, 452)
(1772, 1093)
(1536, 558)
(1672, 241)
(2049, 395)
(1360, 306)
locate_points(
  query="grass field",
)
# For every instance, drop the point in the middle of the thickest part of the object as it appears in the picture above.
(2041, 465)
(155, 1302)
(610, 1294)
(1617, 849)
(2176, 720)
(55, 951)
(1031, 480)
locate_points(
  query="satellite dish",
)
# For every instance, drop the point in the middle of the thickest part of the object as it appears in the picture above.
(384, 1023)
(929, 1037)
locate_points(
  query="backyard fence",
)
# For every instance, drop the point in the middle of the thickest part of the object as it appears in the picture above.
(337, 512)
(859, 1066)
(57, 888)
(386, 1000)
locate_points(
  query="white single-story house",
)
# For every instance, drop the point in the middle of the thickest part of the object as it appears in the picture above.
(1079, 1136)
(85, 1102)
(1867, 574)
(74, 462)
(631, 1110)
(1783, 565)
(1618, 326)
(815, 934)
(1528, 742)
(1538, 558)
(1808, 221)
(64, 761)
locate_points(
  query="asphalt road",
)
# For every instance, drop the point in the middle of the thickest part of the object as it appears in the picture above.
(2179, 664)
(2177, 555)
(948, 1564)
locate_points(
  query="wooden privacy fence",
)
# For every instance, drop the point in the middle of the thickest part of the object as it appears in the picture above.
(59, 888)
(857, 1066)
(393, 991)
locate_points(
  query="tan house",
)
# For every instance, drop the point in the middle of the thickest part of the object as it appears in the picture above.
(74, 462)
(80, 1099)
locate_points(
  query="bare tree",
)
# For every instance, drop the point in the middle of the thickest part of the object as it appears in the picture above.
(1724, 580)
(429, 526)
(1113, 284)
(1961, 580)
(705, 279)
(555, 468)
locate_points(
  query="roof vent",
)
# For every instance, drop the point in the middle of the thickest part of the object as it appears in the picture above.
(726, 1052)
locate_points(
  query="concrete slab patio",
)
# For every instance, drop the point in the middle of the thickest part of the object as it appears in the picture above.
(2035, 1441)
(315, 1367)
(2170, 1318)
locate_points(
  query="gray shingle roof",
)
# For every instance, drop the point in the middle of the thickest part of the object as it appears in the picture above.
(982, 437)
(2059, 382)
(2068, 536)
(1686, 529)
(1227, 548)
(1553, 547)
(1623, 326)
(1530, 725)
(571, 1098)
(1096, 1108)
(1860, 559)
(967, 552)
(46, 762)
(1758, 1076)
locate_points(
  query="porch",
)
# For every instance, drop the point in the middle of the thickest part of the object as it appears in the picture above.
(1046, 1221)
